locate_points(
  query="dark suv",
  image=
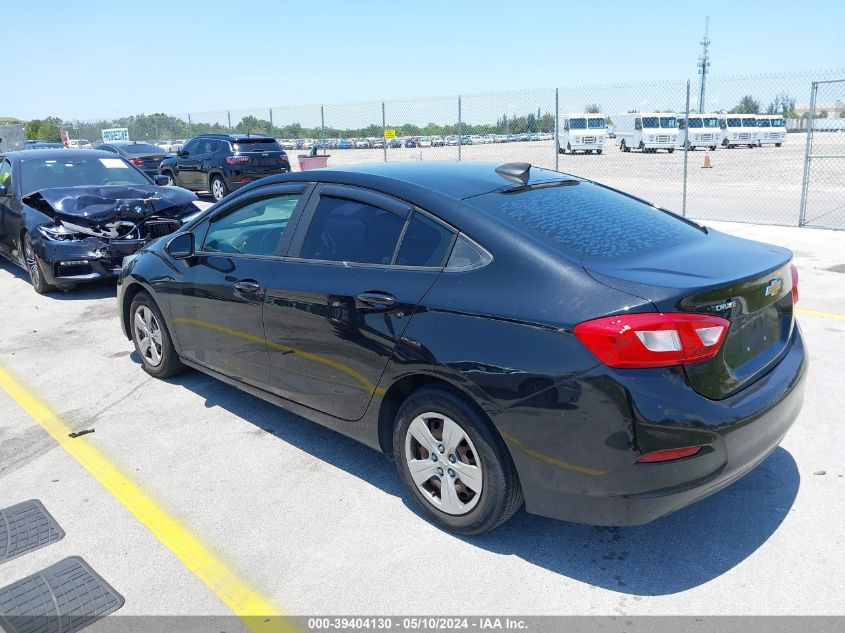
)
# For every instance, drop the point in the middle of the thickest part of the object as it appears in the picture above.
(221, 163)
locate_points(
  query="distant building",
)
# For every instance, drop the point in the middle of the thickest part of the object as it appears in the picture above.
(834, 111)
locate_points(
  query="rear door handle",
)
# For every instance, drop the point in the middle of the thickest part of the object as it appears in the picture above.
(377, 298)
(247, 286)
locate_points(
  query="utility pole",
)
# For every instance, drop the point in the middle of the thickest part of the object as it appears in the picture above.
(704, 62)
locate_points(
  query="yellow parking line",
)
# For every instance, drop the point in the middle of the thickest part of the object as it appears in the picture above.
(821, 313)
(256, 612)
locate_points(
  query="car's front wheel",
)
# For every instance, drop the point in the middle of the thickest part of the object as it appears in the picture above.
(453, 463)
(33, 267)
(151, 339)
(218, 188)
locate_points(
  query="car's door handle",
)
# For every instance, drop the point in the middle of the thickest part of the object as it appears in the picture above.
(377, 298)
(247, 286)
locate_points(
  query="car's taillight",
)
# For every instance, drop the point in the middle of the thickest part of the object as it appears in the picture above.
(653, 339)
(794, 272)
(237, 160)
(137, 162)
(669, 455)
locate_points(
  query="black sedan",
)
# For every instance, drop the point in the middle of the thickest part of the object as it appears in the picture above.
(144, 156)
(70, 216)
(507, 333)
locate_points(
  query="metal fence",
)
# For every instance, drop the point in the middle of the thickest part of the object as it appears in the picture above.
(12, 137)
(767, 184)
(823, 190)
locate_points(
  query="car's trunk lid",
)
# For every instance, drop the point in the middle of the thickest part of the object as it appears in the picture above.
(748, 283)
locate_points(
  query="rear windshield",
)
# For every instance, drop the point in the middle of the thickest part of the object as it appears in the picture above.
(74, 172)
(258, 145)
(587, 221)
(137, 149)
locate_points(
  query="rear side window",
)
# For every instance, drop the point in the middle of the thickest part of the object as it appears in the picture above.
(588, 221)
(268, 145)
(350, 231)
(426, 243)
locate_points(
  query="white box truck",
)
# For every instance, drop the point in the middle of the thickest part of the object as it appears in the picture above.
(582, 133)
(703, 130)
(646, 131)
(771, 130)
(738, 129)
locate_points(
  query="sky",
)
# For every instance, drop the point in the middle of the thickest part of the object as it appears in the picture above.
(88, 59)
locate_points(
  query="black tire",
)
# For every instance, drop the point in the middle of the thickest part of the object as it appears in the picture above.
(598, 151)
(670, 149)
(33, 267)
(501, 494)
(622, 146)
(712, 148)
(221, 187)
(560, 150)
(642, 147)
(778, 144)
(569, 148)
(169, 365)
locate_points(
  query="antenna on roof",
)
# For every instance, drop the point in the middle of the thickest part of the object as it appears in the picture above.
(515, 172)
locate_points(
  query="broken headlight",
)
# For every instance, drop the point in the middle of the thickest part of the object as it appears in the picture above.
(57, 232)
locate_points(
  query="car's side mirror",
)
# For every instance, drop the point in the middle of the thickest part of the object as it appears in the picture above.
(161, 180)
(4, 190)
(181, 246)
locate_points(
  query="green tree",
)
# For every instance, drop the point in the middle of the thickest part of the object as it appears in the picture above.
(747, 105)
(593, 108)
(44, 129)
(783, 104)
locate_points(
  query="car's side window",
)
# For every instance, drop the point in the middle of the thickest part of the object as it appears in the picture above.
(6, 176)
(191, 147)
(346, 230)
(426, 243)
(256, 228)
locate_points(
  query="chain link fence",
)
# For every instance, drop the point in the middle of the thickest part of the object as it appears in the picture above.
(823, 193)
(735, 151)
(12, 137)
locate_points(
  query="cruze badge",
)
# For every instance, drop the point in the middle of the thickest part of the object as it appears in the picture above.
(727, 305)
(774, 287)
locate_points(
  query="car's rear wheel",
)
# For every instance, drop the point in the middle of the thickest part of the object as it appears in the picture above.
(218, 188)
(453, 463)
(33, 267)
(151, 339)
(671, 149)
(598, 151)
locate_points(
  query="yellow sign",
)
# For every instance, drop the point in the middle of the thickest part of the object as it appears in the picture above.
(390, 134)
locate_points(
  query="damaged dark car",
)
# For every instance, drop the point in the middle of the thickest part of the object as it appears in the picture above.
(71, 216)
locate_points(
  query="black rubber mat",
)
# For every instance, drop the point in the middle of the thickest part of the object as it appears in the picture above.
(25, 527)
(63, 598)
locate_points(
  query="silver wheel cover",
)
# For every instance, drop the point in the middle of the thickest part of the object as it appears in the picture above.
(443, 463)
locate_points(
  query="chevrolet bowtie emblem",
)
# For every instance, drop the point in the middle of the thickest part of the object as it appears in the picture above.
(774, 287)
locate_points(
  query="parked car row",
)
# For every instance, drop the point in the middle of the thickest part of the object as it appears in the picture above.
(484, 324)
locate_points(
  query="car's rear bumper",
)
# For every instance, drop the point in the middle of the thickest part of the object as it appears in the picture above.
(237, 178)
(578, 462)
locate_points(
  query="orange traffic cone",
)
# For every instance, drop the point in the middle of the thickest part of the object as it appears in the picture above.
(706, 164)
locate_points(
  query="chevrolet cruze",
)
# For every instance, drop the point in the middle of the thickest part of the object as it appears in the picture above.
(506, 333)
